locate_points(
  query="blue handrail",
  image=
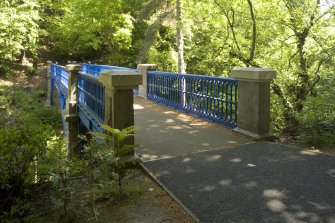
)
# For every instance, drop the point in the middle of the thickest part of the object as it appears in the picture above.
(95, 69)
(59, 79)
(213, 98)
(91, 95)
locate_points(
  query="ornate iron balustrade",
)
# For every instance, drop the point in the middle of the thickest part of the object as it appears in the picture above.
(213, 98)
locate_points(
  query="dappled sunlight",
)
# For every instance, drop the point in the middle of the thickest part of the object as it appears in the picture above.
(232, 142)
(213, 158)
(226, 182)
(193, 132)
(251, 185)
(236, 160)
(302, 217)
(205, 144)
(186, 160)
(273, 193)
(177, 127)
(276, 205)
(169, 120)
(6, 83)
(148, 157)
(310, 152)
(331, 172)
(138, 107)
(208, 188)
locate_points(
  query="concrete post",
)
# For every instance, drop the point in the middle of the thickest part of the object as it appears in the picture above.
(72, 117)
(253, 110)
(50, 86)
(119, 111)
(143, 69)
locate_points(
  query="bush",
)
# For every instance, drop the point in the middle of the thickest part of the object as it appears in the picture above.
(26, 127)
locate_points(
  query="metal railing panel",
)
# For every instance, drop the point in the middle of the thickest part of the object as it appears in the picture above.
(213, 98)
(91, 95)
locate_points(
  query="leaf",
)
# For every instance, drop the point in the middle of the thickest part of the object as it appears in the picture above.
(111, 130)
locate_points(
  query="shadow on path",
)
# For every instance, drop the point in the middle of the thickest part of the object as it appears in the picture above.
(222, 176)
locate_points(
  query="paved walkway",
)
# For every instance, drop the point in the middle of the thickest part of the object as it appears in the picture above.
(221, 176)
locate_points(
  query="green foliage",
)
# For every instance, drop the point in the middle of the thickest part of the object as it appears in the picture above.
(90, 28)
(26, 128)
(65, 176)
(18, 27)
(112, 155)
(317, 120)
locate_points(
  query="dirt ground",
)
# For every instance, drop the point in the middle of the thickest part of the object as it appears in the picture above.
(147, 203)
(150, 203)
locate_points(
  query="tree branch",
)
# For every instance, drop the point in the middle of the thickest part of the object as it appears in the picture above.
(254, 31)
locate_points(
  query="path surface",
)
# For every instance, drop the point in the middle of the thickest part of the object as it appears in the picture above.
(221, 176)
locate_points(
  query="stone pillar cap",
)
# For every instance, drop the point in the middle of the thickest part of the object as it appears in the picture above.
(120, 78)
(139, 66)
(73, 67)
(253, 74)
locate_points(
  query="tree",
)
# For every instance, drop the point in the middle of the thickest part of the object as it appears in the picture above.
(164, 12)
(92, 29)
(19, 30)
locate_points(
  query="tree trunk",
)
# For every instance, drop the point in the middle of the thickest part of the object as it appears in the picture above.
(180, 37)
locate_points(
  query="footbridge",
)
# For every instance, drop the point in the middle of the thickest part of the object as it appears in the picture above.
(197, 140)
(91, 95)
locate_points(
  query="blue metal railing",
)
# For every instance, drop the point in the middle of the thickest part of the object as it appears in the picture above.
(95, 69)
(91, 95)
(59, 79)
(213, 98)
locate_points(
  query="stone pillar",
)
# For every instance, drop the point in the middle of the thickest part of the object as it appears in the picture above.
(119, 111)
(72, 117)
(253, 111)
(143, 69)
(50, 87)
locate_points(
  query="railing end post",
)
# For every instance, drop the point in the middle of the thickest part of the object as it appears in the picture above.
(72, 116)
(254, 101)
(143, 69)
(73, 67)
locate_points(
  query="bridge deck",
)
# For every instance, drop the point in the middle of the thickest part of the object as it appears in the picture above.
(165, 132)
(221, 176)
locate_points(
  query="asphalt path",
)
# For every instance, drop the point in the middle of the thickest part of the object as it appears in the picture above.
(219, 175)
(257, 182)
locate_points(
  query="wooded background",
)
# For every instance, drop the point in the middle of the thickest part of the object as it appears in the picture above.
(210, 37)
